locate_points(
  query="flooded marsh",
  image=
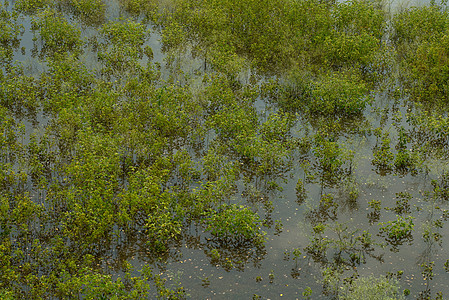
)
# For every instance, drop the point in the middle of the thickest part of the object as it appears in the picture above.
(224, 149)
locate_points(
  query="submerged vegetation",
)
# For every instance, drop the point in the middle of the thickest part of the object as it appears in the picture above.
(149, 147)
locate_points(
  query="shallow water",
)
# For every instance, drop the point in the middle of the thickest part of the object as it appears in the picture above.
(192, 268)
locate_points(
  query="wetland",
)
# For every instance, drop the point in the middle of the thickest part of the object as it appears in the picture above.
(234, 149)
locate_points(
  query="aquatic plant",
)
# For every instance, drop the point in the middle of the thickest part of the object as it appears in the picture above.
(234, 224)
(32, 6)
(371, 288)
(91, 12)
(398, 231)
(9, 34)
(383, 157)
(57, 34)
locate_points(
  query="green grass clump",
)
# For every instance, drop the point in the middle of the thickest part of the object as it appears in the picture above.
(371, 288)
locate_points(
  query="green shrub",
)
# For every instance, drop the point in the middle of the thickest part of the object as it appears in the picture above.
(93, 9)
(7, 295)
(419, 24)
(57, 34)
(429, 70)
(9, 33)
(139, 6)
(338, 94)
(235, 224)
(398, 230)
(32, 6)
